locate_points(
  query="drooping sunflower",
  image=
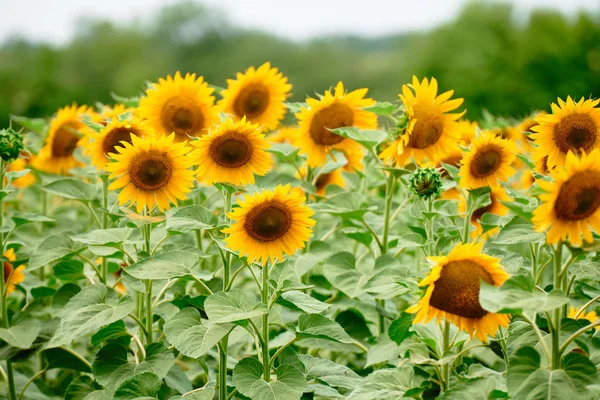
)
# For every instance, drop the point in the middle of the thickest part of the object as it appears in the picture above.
(432, 131)
(65, 132)
(151, 171)
(12, 276)
(571, 204)
(20, 164)
(102, 143)
(574, 313)
(488, 161)
(234, 152)
(181, 105)
(453, 291)
(335, 109)
(257, 95)
(571, 127)
(269, 223)
(497, 196)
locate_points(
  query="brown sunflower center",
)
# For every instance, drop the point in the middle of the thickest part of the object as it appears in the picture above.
(544, 165)
(486, 161)
(65, 140)
(183, 119)
(579, 196)
(231, 150)
(477, 214)
(8, 270)
(575, 132)
(322, 181)
(335, 116)
(268, 221)
(428, 129)
(115, 137)
(252, 101)
(151, 170)
(457, 289)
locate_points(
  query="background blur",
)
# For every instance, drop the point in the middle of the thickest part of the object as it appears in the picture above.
(503, 57)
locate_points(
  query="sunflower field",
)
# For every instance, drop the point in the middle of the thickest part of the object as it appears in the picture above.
(201, 242)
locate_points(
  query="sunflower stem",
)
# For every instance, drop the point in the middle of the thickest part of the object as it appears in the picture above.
(389, 191)
(104, 267)
(148, 282)
(445, 349)
(468, 212)
(265, 328)
(557, 313)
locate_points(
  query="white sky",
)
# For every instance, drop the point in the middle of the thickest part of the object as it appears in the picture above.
(55, 20)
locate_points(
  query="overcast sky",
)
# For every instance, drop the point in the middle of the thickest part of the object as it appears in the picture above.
(55, 20)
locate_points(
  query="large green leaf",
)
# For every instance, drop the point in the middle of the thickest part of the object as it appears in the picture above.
(329, 372)
(53, 248)
(352, 205)
(471, 389)
(22, 218)
(79, 388)
(344, 276)
(106, 237)
(205, 393)
(519, 294)
(303, 301)
(518, 231)
(174, 264)
(142, 386)
(400, 328)
(192, 336)
(235, 305)
(289, 385)
(316, 326)
(70, 188)
(191, 218)
(22, 334)
(528, 380)
(384, 384)
(368, 138)
(89, 310)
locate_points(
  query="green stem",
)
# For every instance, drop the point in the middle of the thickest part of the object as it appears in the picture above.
(576, 334)
(445, 348)
(105, 220)
(586, 305)
(389, 191)
(223, 367)
(280, 350)
(265, 331)
(557, 313)
(468, 212)
(41, 372)
(149, 311)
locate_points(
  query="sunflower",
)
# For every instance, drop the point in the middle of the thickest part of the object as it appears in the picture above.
(113, 135)
(354, 157)
(181, 105)
(12, 276)
(335, 109)
(20, 164)
(571, 204)
(284, 134)
(574, 313)
(487, 162)
(525, 128)
(65, 132)
(453, 291)
(234, 152)
(467, 130)
(257, 95)
(571, 127)
(497, 196)
(108, 113)
(151, 171)
(431, 132)
(269, 223)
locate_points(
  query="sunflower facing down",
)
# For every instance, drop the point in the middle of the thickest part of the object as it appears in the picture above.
(12, 276)
(151, 171)
(336, 109)
(488, 161)
(571, 204)
(571, 127)
(181, 105)
(234, 152)
(432, 131)
(269, 223)
(497, 196)
(102, 143)
(257, 95)
(65, 132)
(453, 291)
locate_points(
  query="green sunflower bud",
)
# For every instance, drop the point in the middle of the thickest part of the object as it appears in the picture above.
(11, 144)
(426, 183)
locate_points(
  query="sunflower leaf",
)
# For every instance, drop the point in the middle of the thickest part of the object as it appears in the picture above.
(369, 138)
(316, 326)
(174, 264)
(518, 231)
(53, 248)
(22, 334)
(73, 189)
(289, 385)
(384, 384)
(235, 305)
(191, 218)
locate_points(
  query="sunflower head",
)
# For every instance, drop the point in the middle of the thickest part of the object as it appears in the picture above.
(233, 152)
(467, 130)
(576, 313)
(432, 130)
(257, 95)
(12, 276)
(102, 143)
(571, 204)
(151, 171)
(181, 105)
(426, 183)
(497, 196)
(64, 135)
(284, 134)
(453, 291)
(488, 161)
(335, 109)
(571, 127)
(20, 164)
(525, 128)
(269, 223)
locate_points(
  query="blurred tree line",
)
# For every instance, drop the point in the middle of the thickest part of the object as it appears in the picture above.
(494, 61)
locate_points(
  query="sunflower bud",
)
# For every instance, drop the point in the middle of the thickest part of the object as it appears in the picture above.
(11, 144)
(426, 183)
